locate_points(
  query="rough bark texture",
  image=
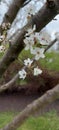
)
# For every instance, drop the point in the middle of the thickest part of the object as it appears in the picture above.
(42, 18)
(12, 53)
(10, 84)
(13, 9)
(41, 102)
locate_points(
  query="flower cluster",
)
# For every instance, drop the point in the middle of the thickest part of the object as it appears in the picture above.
(28, 62)
(23, 73)
(2, 48)
(38, 53)
(30, 10)
(4, 27)
(2, 37)
(32, 43)
(37, 71)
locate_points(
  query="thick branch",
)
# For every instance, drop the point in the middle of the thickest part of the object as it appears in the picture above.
(13, 9)
(38, 104)
(12, 12)
(44, 16)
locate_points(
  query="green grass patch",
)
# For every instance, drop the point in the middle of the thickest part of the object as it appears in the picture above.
(5, 118)
(49, 121)
(51, 61)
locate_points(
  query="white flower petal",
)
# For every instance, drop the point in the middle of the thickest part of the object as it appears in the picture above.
(2, 48)
(28, 62)
(22, 74)
(29, 42)
(38, 52)
(37, 71)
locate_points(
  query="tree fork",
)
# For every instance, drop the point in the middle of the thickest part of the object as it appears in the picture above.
(41, 19)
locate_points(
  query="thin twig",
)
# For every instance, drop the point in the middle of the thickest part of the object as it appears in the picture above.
(26, 3)
(51, 44)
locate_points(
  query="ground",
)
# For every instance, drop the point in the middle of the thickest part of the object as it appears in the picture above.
(18, 101)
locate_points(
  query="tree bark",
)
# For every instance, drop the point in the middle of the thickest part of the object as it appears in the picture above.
(38, 104)
(12, 53)
(12, 11)
(41, 19)
(10, 84)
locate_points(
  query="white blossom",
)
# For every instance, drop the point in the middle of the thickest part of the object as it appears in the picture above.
(37, 71)
(31, 30)
(37, 36)
(29, 42)
(28, 62)
(2, 48)
(30, 10)
(38, 52)
(41, 39)
(2, 38)
(4, 26)
(22, 74)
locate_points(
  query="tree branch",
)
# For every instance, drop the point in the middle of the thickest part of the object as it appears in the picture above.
(9, 84)
(12, 12)
(26, 3)
(13, 9)
(51, 44)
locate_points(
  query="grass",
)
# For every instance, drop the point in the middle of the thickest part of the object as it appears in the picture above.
(49, 121)
(51, 61)
(6, 117)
